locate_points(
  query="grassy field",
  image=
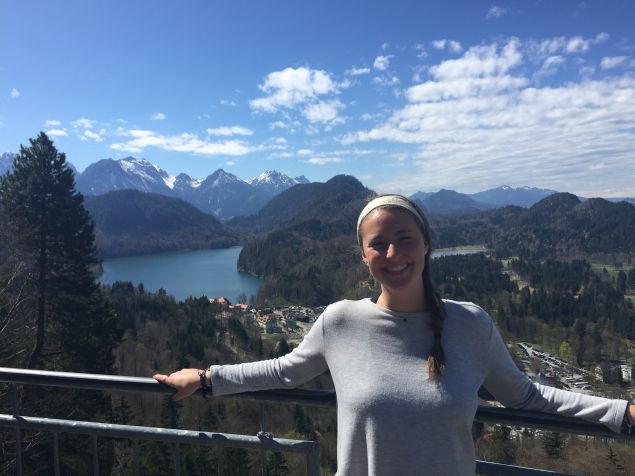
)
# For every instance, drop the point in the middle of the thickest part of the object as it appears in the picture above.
(610, 268)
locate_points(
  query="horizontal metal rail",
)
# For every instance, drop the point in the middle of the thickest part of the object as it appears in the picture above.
(485, 413)
(204, 438)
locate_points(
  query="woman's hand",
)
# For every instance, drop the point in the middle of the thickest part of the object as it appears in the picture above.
(186, 382)
(630, 414)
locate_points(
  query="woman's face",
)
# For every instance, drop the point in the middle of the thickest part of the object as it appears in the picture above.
(393, 246)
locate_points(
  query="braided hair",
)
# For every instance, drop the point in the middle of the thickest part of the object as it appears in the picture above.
(436, 359)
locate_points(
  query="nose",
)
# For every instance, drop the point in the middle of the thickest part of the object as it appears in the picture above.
(391, 251)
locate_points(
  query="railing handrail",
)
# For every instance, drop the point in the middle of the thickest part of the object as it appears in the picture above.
(485, 413)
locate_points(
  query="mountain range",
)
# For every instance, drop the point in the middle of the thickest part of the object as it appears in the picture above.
(226, 196)
(221, 194)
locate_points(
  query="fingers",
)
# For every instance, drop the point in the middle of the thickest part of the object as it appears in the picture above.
(160, 377)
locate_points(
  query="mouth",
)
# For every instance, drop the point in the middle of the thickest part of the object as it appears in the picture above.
(396, 269)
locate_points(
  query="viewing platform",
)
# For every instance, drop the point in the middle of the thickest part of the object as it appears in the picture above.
(262, 441)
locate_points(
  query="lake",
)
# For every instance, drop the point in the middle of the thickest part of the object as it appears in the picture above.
(184, 273)
(202, 272)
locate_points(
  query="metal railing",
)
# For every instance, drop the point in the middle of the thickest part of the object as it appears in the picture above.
(263, 441)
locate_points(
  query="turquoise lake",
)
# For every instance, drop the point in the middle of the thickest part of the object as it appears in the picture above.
(184, 273)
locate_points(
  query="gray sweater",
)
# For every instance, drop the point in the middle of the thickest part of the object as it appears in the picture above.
(392, 418)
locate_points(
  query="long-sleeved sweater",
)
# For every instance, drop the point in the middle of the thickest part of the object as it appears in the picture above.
(392, 417)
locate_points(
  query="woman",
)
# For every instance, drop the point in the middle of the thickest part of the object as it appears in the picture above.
(406, 368)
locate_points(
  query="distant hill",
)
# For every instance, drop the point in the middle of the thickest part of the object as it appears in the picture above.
(310, 256)
(130, 222)
(505, 195)
(449, 202)
(558, 226)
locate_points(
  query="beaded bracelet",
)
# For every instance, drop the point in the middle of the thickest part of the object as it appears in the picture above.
(204, 387)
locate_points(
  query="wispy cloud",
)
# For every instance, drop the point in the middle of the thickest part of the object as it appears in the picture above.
(15, 93)
(323, 111)
(382, 63)
(495, 11)
(158, 116)
(609, 62)
(450, 45)
(483, 115)
(324, 160)
(230, 131)
(52, 123)
(186, 142)
(56, 133)
(357, 71)
(228, 102)
(83, 123)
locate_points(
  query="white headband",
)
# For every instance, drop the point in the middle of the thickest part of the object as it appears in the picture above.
(387, 201)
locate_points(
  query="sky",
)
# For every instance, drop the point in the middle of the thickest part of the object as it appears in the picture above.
(405, 95)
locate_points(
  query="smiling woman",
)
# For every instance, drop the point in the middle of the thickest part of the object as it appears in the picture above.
(406, 368)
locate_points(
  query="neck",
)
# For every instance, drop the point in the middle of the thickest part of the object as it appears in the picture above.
(410, 302)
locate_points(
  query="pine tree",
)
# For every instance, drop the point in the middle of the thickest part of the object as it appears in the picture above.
(65, 322)
(55, 239)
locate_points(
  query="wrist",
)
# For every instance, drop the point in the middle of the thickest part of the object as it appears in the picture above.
(205, 381)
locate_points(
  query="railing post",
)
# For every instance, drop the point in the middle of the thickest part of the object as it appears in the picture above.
(18, 432)
(95, 456)
(56, 453)
(177, 459)
(313, 460)
(221, 456)
(263, 453)
(136, 457)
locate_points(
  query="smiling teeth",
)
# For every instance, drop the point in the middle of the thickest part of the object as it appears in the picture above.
(397, 268)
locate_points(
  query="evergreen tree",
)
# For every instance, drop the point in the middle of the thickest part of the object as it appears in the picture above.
(65, 322)
(55, 239)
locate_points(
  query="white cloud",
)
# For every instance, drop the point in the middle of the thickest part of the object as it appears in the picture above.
(421, 51)
(230, 163)
(230, 131)
(550, 65)
(56, 133)
(495, 11)
(386, 80)
(227, 102)
(52, 123)
(91, 135)
(158, 116)
(462, 87)
(186, 142)
(382, 63)
(480, 61)
(323, 111)
(451, 45)
(278, 125)
(609, 62)
(305, 152)
(83, 123)
(15, 93)
(357, 71)
(291, 87)
(478, 123)
(325, 160)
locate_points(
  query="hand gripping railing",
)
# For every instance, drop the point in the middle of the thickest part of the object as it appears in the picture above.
(263, 441)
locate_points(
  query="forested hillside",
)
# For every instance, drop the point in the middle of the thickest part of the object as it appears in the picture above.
(130, 222)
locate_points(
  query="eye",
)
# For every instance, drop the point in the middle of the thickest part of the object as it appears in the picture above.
(377, 245)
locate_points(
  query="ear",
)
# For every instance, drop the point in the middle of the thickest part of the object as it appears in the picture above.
(362, 255)
(426, 247)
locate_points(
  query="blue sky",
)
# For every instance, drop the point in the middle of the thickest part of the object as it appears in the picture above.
(405, 95)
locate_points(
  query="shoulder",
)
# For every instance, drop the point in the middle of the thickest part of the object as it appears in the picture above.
(342, 312)
(467, 315)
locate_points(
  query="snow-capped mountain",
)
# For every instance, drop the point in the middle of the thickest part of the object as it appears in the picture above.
(6, 162)
(108, 175)
(221, 193)
(273, 182)
(506, 195)
(226, 196)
